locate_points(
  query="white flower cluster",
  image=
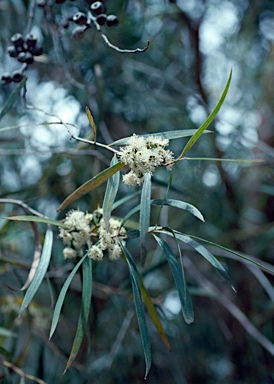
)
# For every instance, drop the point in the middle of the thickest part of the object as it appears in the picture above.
(144, 155)
(82, 229)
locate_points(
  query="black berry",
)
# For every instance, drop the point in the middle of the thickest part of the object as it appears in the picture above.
(80, 18)
(112, 21)
(31, 41)
(101, 19)
(21, 57)
(17, 76)
(6, 78)
(37, 51)
(60, 1)
(12, 51)
(17, 40)
(98, 7)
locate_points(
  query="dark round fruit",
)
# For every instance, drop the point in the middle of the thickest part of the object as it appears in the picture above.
(17, 76)
(6, 78)
(12, 51)
(78, 32)
(112, 21)
(17, 40)
(80, 18)
(37, 51)
(31, 41)
(28, 58)
(59, 1)
(21, 57)
(101, 19)
(98, 7)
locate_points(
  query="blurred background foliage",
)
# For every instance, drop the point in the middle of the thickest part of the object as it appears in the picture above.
(173, 85)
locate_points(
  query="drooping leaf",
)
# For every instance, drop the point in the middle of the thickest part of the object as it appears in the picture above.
(62, 295)
(92, 124)
(153, 314)
(7, 333)
(40, 272)
(208, 121)
(186, 302)
(9, 103)
(84, 314)
(136, 288)
(203, 251)
(165, 135)
(37, 219)
(145, 208)
(179, 204)
(110, 194)
(91, 184)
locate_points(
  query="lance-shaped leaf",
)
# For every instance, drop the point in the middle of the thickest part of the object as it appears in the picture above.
(145, 208)
(203, 251)
(62, 295)
(91, 184)
(136, 288)
(40, 272)
(37, 219)
(9, 103)
(165, 135)
(169, 202)
(91, 122)
(208, 121)
(110, 194)
(84, 314)
(186, 302)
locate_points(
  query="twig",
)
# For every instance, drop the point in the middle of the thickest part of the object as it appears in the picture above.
(31, 15)
(21, 373)
(22, 205)
(109, 44)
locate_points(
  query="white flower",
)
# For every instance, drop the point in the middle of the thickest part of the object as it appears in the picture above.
(69, 253)
(114, 252)
(95, 253)
(65, 236)
(144, 155)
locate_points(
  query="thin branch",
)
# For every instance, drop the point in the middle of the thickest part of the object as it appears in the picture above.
(31, 15)
(109, 44)
(21, 373)
(22, 205)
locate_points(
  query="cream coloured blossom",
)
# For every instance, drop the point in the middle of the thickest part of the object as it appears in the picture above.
(95, 253)
(144, 155)
(69, 253)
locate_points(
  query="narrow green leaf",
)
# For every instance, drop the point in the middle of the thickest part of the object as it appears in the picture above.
(110, 194)
(40, 272)
(203, 251)
(153, 314)
(7, 333)
(186, 302)
(61, 297)
(165, 135)
(208, 121)
(9, 103)
(85, 307)
(170, 202)
(136, 288)
(37, 219)
(241, 256)
(179, 204)
(91, 184)
(145, 214)
(125, 199)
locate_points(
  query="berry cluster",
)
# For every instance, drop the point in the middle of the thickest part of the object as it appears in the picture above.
(97, 14)
(24, 50)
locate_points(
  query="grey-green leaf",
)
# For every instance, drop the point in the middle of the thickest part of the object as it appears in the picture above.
(139, 306)
(40, 272)
(145, 207)
(61, 297)
(12, 98)
(110, 194)
(186, 302)
(179, 204)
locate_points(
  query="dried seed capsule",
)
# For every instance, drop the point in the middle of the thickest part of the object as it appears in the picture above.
(112, 21)
(98, 7)
(17, 40)
(101, 19)
(12, 51)
(17, 76)
(80, 18)
(6, 78)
